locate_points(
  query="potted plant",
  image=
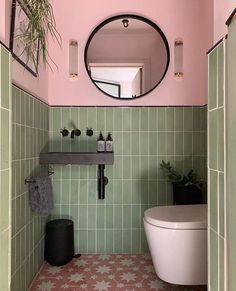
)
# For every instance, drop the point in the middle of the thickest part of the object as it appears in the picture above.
(35, 29)
(187, 189)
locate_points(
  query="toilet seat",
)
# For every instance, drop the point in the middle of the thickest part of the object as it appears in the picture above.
(178, 216)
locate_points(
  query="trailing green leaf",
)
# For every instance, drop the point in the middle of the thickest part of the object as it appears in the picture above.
(190, 179)
(40, 25)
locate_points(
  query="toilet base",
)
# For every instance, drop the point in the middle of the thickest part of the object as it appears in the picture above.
(179, 256)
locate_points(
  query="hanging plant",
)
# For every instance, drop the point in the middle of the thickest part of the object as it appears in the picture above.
(35, 30)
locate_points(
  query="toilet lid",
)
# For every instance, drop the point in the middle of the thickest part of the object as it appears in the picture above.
(178, 216)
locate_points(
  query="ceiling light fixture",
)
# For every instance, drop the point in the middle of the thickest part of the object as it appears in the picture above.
(125, 22)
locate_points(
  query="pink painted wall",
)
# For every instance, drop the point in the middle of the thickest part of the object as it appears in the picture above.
(36, 86)
(222, 11)
(190, 20)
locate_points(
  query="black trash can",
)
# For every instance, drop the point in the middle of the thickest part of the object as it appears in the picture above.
(59, 242)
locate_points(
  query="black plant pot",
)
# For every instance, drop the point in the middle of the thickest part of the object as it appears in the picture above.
(184, 195)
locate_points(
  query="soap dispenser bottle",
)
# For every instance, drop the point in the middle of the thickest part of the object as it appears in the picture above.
(109, 143)
(100, 143)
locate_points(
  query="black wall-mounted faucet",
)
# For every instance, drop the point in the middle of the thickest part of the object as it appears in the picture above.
(75, 132)
(64, 132)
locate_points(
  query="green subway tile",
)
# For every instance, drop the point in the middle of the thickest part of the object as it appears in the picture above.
(118, 216)
(170, 118)
(188, 143)
(83, 186)
(221, 264)
(92, 216)
(152, 167)
(109, 119)
(152, 119)
(74, 171)
(136, 216)
(135, 143)
(213, 149)
(197, 118)
(92, 123)
(109, 241)
(144, 167)
(118, 167)
(170, 143)
(135, 240)
(212, 79)
(213, 200)
(144, 141)
(4, 139)
(188, 164)
(221, 205)
(126, 167)
(118, 143)
(127, 194)
(152, 143)
(126, 216)
(144, 244)
(152, 193)
(83, 217)
(188, 118)
(179, 118)
(161, 143)
(82, 112)
(117, 119)
(197, 143)
(126, 119)
(126, 143)
(214, 261)
(83, 172)
(4, 255)
(127, 241)
(161, 115)
(4, 200)
(135, 119)
(65, 192)
(144, 192)
(220, 139)
(101, 216)
(135, 161)
(92, 171)
(109, 217)
(161, 193)
(179, 143)
(117, 190)
(220, 80)
(5, 78)
(144, 119)
(83, 241)
(136, 194)
(74, 199)
(101, 246)
(118, 241)
(92, 191)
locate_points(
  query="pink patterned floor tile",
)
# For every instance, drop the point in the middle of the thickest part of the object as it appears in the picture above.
(105, 273)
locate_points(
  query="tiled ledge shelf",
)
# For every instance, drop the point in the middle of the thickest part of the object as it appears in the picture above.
(78, 158)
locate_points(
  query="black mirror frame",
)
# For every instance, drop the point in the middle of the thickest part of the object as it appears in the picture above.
(133, 16)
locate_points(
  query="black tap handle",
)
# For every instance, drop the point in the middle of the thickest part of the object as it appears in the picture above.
(77, 132)
(89, 132)
(64, 132)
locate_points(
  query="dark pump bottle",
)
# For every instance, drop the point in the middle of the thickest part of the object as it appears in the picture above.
(100, 143)
(109, 143)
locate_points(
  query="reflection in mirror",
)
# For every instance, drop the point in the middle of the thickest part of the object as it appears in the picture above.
(127, 56)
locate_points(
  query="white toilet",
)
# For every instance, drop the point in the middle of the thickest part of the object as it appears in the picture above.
(177, 239)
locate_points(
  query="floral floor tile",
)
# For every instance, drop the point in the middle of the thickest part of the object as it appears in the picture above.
(94, 272)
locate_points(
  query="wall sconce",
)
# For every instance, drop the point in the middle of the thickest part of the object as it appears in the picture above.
(178, 59)
(73, 60)
(125, 23)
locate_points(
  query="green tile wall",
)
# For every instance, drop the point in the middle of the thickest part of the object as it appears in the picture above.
(30, 132)
(142, 138)
(5, 168)
(216, 173)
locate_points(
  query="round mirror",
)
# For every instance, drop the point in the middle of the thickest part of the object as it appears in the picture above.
(127, 56)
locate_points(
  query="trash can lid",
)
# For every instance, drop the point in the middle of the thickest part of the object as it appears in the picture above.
(59, 223)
